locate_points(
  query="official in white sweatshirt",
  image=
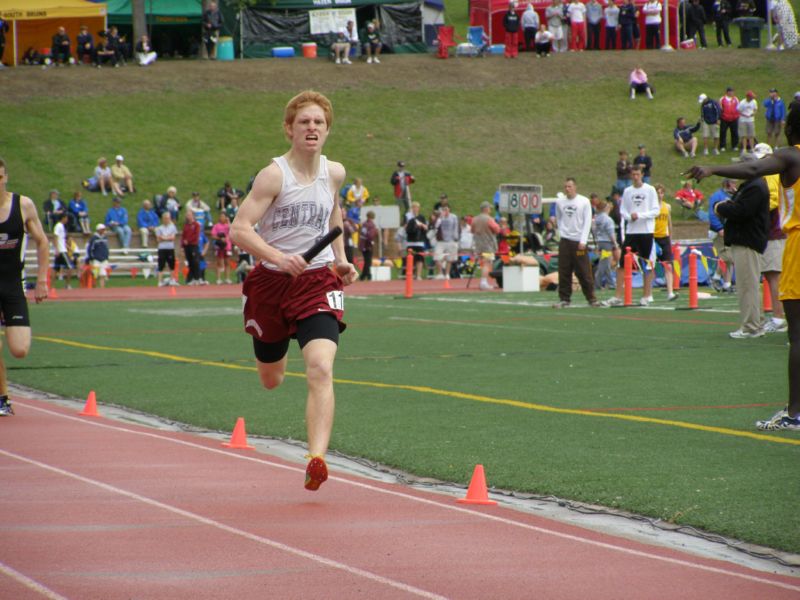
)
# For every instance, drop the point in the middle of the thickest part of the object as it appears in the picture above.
(574, 218)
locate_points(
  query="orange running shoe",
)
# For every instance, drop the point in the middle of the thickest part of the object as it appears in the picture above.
(316, 473)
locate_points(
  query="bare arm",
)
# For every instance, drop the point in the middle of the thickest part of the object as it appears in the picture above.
(786, 161)
(345, 270)
(266, 187)
(33, 228)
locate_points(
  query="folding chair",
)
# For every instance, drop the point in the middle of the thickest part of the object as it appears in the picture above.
(478, 39)
(445, 39)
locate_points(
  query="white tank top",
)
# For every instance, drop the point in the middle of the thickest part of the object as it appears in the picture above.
(300, 215)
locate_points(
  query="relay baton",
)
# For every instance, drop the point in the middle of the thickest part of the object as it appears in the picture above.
(321, 243)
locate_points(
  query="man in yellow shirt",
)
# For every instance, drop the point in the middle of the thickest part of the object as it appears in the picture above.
(786, 163)
(122, 174)
(661, 237)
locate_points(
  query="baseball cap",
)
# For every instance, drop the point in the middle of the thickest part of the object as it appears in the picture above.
(771, 90)
(115, 199)
(761, 150)
(797, 94)
(701, 98)
(641, 146)
(729, 89)
(750, 94)
(119, 157)
(485, 204)
(100, 227)
(401, 163)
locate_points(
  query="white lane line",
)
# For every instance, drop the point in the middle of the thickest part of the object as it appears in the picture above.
(30, 583)
(228, 529)
(459, 509)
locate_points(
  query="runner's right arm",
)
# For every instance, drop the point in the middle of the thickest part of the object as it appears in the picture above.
(33, 227)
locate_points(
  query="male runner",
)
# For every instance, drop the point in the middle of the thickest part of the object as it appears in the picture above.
(293, 201)
(18, 217)
(785, 162)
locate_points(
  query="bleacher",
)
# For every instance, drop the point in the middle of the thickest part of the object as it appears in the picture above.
(131, 262)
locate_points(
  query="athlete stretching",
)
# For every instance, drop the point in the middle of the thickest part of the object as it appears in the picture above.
(17, 218)
(785, 162)
(293, 202)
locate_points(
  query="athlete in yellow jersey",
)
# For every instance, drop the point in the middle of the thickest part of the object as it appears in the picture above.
(661, 237)
(786, 163)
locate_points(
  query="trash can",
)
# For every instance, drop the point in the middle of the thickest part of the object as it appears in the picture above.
(749, 31)
(225, 48)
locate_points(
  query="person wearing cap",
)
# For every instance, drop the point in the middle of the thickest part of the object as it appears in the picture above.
(644, 162)
(747, 122)
(117, 221)
(795, 103)
(775, 113)
(786, 164)
(402, 180)
(372, 43)
(97, 254)
(448, 231)
(729, 119)
(201, 210)
(710, 115)
(341, 48)
(484, 242)
(105, 179)
(122, 175)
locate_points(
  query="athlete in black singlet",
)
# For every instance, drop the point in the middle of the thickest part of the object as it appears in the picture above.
(18, 220)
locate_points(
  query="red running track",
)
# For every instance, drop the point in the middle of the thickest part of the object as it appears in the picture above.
(99, 509)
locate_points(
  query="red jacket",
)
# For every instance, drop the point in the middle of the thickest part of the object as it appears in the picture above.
(730, 108)
(191, 234)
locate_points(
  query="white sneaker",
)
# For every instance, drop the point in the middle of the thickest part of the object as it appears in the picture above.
(375, 60)
(743, 335)
(646, 301)
(486, 286)
(219, 281)
(672, 297)
(173, 282)
(716, 152)
(346, 61)
(338, 61)
(692, 155)
(228, 281)
(771, 326)
(613, 301)
(705, 152)
(162, 283)
(369, 60)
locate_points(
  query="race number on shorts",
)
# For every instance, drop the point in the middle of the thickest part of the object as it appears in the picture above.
(336, 299)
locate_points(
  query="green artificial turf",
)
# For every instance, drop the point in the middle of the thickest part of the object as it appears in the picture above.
(435, 385)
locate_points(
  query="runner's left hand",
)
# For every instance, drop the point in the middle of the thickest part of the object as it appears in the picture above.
(40, 293)
(346, 271)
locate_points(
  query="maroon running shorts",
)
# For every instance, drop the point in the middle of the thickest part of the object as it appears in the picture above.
(274, 301)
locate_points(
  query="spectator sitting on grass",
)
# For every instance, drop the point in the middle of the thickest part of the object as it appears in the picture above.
(117, 221)
(688, 197)
(80, 212)
(685, 141)
(147, 221)
(122, 175)
(638, 83)
(105, 179)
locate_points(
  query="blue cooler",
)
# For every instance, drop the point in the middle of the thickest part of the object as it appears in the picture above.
(225, 48)
(283, 52)
(497, 49)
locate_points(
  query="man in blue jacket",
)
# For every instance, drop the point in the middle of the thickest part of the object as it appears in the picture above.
(716, 233)
(775, 112)
(117, 221)
(97, 255)
(710, 115)
(147, 220)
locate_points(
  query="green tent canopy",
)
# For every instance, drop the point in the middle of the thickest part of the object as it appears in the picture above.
(158, 12)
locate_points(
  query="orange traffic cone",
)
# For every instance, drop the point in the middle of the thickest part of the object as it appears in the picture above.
(172, 291)
(766, 295)
(239, 437)
(447, 283)
(90, 409)
(477, 492)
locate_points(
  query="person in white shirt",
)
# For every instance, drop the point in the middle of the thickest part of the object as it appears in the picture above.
(543, 41)
(652, 24)
(747, 122)
(555, 23)
(639, 208)
(574, 218)
(612, 22)
(62, 258)
(576, 12)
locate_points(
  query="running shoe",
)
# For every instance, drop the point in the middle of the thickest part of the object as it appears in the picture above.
(743, 335)
(5, 408)
(613, 301)
(561, 304)
(780, 420)
(646, 301)
(772, 327)
(316, 473)
(672, 296)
